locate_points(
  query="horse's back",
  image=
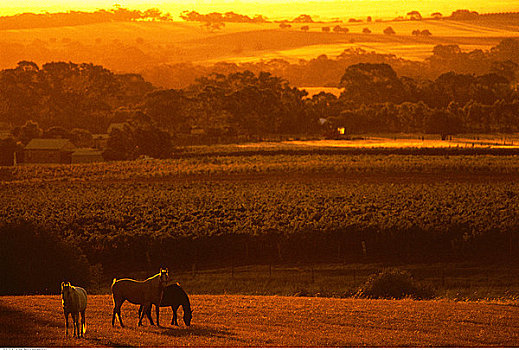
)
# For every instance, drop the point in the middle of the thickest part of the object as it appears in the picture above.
(82, 298)
(174, 295)
(136, 292)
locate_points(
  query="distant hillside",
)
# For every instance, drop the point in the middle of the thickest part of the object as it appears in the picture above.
(76, 18)
(141, 46)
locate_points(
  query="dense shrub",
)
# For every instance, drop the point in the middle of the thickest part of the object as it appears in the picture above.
(393, 284)
(34, 260)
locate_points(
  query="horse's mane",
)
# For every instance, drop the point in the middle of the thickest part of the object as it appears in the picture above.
(153, 277)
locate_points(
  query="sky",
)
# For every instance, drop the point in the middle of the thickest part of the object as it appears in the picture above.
(272, 9)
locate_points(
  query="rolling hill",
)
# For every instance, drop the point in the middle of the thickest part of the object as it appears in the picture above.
(172, 42)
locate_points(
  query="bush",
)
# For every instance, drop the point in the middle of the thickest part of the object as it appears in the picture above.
(34, 260)
(393, 284)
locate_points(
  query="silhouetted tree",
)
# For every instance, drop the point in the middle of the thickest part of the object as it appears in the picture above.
(389, 31)
(464, 14)
(507, 69)
(30, 130)
(303, 19)
(371, 83)
(442, 122)
(339, 29)
(414, 16)
(56, 132)
(139, 136)
(26, 249)
(81, 138)
(8, 147)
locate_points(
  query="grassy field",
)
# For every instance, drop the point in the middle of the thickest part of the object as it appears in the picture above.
(256, 321)
(253, 321)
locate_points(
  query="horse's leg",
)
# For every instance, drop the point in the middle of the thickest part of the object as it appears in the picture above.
(83, 324)
(114, 312)
(174, 319)
(66, 323)
(148, 314)
(74, 322)
(113, 317)
(146, 307)
(157, 309)
(117, 311)
(77, 325)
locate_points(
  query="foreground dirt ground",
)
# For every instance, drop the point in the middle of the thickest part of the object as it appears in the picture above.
(259, 321)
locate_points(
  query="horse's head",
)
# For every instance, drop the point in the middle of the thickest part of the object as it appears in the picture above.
(66, 289)
(164, 276)
(188, 315)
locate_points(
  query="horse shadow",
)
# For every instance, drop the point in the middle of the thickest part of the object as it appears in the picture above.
(195, 330)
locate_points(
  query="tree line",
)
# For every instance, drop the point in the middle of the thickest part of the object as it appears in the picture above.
(74, 18)
(244, 104)
(327, 71)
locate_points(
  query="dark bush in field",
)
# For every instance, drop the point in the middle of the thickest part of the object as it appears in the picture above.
(393, 284)
(34, 260)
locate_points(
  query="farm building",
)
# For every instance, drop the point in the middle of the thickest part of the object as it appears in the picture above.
(87, 155)
(49, 151)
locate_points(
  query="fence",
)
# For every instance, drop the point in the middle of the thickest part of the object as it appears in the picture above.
(343, 280)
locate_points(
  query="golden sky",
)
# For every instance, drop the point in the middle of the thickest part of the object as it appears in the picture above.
(271, 8)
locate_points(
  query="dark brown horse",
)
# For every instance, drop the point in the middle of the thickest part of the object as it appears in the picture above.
(138, 292)
(173, 296)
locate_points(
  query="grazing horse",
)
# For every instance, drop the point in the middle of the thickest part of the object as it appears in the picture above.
(138, 292)
(174, 296)
(74, 300)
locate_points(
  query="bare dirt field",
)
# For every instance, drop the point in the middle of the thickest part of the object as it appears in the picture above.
(269, 321)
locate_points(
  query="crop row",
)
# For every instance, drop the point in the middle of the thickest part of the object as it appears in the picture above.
(197, 221)
(262, 164)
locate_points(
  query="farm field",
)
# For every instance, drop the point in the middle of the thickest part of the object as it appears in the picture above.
(272, 321)
(172, 42)
(274, 207)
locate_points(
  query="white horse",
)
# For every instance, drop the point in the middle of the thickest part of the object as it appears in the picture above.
(139, 292)
(74, 300)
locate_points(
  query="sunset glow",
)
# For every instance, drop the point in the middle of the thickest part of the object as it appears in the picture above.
(272, 9)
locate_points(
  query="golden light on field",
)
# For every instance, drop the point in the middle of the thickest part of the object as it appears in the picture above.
(271, 8)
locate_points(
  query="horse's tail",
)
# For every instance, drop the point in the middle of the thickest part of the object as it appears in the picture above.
(84, 327)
